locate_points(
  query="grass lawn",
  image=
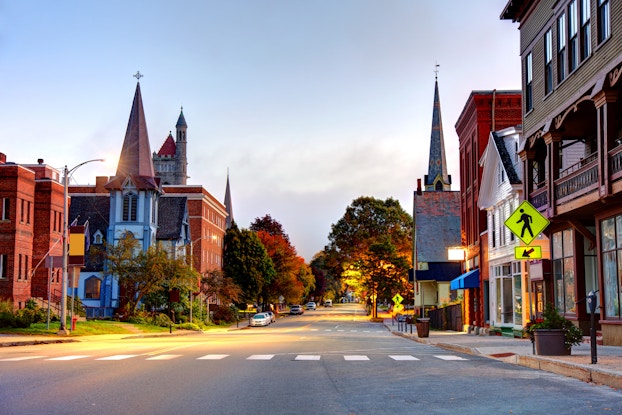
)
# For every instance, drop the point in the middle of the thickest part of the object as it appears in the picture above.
(86, 328)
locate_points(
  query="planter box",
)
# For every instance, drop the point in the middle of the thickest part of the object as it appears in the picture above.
(551, 342)
(423, 327)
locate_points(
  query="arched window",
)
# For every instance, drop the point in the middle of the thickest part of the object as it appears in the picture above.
(130, 202)
(92, 287)
(439, 186)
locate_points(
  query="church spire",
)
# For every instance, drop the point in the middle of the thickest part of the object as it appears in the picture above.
(135, 159)
(228, 207)
(437, 178)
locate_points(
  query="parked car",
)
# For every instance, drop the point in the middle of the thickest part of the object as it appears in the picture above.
(296, 309)
(260, 319)
(328, 303)
(272, 316)
(310, 305)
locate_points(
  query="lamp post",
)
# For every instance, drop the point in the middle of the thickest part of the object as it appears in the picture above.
(192, 267)
(63, 300)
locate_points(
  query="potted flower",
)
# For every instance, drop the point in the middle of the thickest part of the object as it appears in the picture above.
(553, 335)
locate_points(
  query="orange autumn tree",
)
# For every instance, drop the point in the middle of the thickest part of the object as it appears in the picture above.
(294, 279)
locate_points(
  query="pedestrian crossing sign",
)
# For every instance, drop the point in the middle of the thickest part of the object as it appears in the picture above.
(528, 252)
(397, 299)
(526, 222)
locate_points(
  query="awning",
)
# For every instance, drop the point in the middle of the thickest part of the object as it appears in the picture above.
(467, 280)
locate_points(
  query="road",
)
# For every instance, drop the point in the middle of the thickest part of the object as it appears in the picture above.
(328, 361)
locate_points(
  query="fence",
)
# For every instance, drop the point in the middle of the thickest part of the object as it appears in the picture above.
(446, 318)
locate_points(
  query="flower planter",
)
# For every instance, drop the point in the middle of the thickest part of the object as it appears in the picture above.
(551, 342)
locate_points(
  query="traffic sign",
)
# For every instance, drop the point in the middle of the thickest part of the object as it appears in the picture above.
(528, 252)
(397, 299)
(526, 222)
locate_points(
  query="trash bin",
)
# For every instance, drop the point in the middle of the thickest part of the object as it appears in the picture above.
(423, 327)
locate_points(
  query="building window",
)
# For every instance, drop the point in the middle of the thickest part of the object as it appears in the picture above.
(92, 288)
(604, 28)
(563, 271)
(548, 62)
(586, 31)
(611, 245)
(6, 204)
(129, 207)
(528, 83)
(573, 41)
(3, 267)
(561, 47)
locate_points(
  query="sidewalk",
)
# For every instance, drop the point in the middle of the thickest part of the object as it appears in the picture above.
(607, 370)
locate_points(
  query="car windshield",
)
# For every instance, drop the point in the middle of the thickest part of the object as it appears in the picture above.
(259, 316)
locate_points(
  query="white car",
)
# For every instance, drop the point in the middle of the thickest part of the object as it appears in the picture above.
(260, 319)
(310, 305)
(272, 316)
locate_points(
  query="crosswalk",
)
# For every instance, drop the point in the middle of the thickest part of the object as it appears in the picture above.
(259, 357)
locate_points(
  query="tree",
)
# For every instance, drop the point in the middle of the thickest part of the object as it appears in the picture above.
(367, 221)
(224, 288)
(293, 279)
(247, 263)
(146, 273)
(384, 271)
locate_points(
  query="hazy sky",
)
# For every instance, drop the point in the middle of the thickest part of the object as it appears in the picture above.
(308, 103)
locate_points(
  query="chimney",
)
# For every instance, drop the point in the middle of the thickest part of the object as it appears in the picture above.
(100, 182)
(2, 158)
(418, 186)
(40, 161)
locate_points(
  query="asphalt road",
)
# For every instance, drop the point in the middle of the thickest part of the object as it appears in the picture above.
(328, 361)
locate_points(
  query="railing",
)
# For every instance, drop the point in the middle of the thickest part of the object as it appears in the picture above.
(40, 294)
(539, 198)
(577, 183)
(615, 163)
(99, 312)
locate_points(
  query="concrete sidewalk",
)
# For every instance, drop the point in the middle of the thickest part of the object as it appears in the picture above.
(607, 370)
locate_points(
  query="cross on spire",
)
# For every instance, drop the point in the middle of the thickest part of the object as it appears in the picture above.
(137, 75)
(436, 66)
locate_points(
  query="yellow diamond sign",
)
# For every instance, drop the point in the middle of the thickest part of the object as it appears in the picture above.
(526, 222)
(397, 299)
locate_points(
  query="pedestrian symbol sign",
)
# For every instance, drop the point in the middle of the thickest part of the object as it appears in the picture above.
(526, 222)
(397, 299)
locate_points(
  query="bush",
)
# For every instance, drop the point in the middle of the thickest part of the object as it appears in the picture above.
(189, 326)
(7, 319)
(223, 314)
(161, 320)
(24, 318)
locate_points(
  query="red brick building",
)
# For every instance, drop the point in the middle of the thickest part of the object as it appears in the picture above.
(31, 224)
(484, 111)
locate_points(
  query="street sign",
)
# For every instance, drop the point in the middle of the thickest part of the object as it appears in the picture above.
(528, 252)
(526, 222)
(397, 299)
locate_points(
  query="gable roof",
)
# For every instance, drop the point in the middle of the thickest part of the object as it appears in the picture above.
(169, 147)
(172, 217)
(95, 210)
(437, 224)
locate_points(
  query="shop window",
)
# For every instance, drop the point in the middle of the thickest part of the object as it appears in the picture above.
(563, 271)
(611, 246)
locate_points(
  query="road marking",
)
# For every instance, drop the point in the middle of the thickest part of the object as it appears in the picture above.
(403, 357)
(164, 357)
(449, 357)
(118, 357)
(19, 359)
(307, 357)
(260, 357)
(353, 357)
(213, 357)
(75, 357)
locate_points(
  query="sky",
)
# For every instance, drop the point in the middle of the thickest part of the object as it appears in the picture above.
(307, 104)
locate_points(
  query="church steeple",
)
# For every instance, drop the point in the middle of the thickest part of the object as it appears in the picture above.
(437, 178)
(135, 160)
(228, 207)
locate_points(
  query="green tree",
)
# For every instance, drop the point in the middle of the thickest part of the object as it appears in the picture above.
(367, 221)
(247, 263)
(143, 274)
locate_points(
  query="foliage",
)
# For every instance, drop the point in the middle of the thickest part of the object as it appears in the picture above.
(22, 318)
(161, 320)
(247, 263)
(293, 279)
(223, 314)
(189, 326)
(367, 221)
(552, 320)
(145, 273)
(215, 284)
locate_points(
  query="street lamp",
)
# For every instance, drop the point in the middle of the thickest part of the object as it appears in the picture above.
(63, 302)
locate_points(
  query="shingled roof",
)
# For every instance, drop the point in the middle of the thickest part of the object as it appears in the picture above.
(172, 215)
(169, 147)
(95, 210)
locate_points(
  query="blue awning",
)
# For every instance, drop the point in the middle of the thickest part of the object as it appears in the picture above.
(467, 280)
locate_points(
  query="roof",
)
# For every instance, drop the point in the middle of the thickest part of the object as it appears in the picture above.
(514, 10)
(439, 271)
(169, 147)
(437, 224)
(172, 215)
(438, 163)
(227, 203)
(135, 160)
(181, 121)
(95, 210)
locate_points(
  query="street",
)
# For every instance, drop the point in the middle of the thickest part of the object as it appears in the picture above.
(328, 361)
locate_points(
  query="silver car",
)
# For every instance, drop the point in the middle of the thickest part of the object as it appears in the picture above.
(260, 319)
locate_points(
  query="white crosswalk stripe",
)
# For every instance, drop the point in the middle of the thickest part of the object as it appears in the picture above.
(403, 357)
(165, 357)
(213, 357)
(65, 358)
(260, 357)
(308, 357)
(449, 357)
(19, 359)
(355, 357)
(118, 357)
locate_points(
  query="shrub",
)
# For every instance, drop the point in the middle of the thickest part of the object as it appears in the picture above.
(24, 318)
(7, 319)
(161, 320)
(189, 326)
(222, 314)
